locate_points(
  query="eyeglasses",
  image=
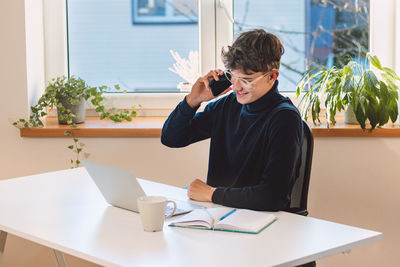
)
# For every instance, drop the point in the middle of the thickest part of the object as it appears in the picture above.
(243, 82)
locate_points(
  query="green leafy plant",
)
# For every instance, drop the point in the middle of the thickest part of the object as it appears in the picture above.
(372, 95)
(73, 90)
(62, 91)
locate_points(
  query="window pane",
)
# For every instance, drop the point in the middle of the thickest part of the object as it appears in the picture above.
(313, 32)
(128, 42)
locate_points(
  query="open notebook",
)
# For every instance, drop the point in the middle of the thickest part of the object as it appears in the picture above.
(226, 219)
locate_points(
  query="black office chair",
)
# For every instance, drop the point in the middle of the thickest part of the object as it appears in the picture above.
(298, 202)
(299, 195)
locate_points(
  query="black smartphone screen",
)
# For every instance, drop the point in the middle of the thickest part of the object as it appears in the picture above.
(217, 87)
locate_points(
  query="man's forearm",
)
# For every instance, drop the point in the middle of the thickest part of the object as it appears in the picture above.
(253, 197)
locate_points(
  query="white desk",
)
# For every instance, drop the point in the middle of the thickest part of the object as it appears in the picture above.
(65, 211)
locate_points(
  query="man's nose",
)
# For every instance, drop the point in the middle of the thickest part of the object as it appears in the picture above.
(236, 86)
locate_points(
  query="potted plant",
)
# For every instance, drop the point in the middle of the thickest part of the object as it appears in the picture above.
(69, 96)
(187, 69)
(371, 94)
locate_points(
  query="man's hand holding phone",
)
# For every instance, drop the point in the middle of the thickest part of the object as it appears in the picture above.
(201, 90)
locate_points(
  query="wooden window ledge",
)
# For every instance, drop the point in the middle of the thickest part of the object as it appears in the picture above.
(151, 127)
(94, 127)
(347, 130)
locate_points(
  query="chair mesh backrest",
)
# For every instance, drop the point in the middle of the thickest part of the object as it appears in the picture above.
(298, 202)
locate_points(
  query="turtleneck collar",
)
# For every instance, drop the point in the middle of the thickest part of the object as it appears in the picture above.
(266, 101)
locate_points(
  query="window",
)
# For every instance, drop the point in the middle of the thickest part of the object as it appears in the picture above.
(105, 48)
(313, 32)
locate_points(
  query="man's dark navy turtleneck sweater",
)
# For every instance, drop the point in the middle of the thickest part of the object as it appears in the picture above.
(254, 149)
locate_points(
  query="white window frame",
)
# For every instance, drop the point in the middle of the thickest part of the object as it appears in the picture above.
(215, 31)
(397, 37)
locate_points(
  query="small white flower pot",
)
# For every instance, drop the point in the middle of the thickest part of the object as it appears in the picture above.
(184, 86)
(350, 116)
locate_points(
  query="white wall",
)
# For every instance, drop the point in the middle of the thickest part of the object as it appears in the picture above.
(354, 180)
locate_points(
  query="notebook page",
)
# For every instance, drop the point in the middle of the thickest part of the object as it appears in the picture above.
(200, 218)
(196, 218)
(246, 220)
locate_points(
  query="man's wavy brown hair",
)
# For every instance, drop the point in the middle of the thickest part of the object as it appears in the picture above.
(253, 51)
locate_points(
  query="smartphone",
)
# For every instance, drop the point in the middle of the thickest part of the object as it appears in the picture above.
(217, 87)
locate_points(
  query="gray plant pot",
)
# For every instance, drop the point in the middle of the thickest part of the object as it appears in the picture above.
(350, 116)
(78, 109)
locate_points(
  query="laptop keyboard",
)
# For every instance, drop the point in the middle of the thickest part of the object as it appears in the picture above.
(169, 209)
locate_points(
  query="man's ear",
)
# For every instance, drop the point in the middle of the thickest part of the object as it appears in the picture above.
(275, 75)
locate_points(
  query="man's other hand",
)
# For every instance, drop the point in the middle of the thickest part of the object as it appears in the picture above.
(200, 191)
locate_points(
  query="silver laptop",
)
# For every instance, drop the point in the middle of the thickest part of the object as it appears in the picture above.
(121, 189)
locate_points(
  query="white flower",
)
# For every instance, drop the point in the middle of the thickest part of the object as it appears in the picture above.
(187, 69)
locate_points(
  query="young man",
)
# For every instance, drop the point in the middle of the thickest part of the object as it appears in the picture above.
(255, 132)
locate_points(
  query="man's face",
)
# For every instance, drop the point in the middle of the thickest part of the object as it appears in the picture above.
(257, 85)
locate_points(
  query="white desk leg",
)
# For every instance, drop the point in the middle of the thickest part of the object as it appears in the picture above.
(3, 237)
(59, 258)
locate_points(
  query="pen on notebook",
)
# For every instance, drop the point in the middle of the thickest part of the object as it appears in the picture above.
(226, 215)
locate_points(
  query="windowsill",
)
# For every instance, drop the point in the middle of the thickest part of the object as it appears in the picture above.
(94, 127)
(151, 127)
(347, 130)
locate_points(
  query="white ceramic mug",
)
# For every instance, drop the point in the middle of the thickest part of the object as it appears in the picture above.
(152, 211)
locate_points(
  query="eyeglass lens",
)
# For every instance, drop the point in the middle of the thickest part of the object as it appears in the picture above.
(232, 79)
